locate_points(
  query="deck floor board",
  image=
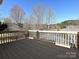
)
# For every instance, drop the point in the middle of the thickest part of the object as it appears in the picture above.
(34, 49)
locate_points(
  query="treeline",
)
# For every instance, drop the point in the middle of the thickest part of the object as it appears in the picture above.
(67, 23)
(3, 26)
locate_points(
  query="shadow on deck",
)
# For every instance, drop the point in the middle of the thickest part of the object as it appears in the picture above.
(35, 49)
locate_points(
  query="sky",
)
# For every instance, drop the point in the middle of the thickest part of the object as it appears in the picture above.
(63, 9)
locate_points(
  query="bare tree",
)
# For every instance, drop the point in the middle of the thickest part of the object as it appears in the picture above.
(17, 15)
(1, 1)
(28, 24)
(50, 17)
(37, 14)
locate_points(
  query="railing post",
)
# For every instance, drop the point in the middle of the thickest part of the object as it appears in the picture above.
(37, 35)
(27, 33)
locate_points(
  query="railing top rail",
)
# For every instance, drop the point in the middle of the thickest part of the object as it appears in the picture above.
(72, 32)
(10, 31)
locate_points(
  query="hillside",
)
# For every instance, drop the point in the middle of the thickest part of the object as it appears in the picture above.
(68, 22)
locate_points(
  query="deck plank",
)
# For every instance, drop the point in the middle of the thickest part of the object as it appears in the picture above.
(34, 49)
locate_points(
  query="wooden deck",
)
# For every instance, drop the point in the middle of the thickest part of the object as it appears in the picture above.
(35, 49)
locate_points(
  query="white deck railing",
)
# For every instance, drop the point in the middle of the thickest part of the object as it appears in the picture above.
(10, 36)
(62, 38)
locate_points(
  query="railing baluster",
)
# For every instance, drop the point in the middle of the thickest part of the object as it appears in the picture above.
(68, 40)
(65, 39)
(76, 41)
(10, 37)
(71, 39)
(55, 37)
(1, 38)
(58, 37)
(6, 37)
